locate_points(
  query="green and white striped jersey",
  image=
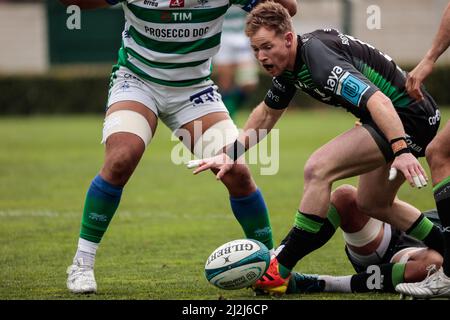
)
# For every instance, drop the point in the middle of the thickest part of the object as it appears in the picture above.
(171, 42)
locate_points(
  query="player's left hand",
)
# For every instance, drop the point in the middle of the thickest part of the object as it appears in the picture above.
(416, 77)
(411, 169)
(222, 162)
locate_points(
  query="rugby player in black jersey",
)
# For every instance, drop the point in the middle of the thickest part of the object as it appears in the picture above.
(373, 248)
(345, 72)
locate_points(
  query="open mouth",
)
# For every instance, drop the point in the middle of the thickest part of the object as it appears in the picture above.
(268, 67)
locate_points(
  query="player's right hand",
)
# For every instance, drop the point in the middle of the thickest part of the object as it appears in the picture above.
(222, 162)
(412, 170)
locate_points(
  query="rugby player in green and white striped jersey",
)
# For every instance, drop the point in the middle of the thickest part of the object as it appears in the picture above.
(163, 72)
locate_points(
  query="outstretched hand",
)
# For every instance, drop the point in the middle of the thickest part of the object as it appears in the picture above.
(222, 162)
(412, 170)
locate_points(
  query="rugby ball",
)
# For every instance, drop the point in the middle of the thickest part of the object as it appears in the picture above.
(237, 264)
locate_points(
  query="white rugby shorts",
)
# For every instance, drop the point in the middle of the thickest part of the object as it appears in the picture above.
(175, 106)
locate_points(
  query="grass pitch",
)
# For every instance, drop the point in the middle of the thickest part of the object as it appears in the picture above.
(168, 222)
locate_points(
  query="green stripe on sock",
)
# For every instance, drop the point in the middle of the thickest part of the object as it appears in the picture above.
(441, 184)
(334, 217)
(398, 272)
(307, 224)
(422, 229)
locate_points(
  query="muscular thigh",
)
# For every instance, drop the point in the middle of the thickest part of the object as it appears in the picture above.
(375, 189)
(132, 94)
(349, 154)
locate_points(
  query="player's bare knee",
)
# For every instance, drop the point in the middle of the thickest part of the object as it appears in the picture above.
(315, 171)
(118, 171)
(436, 154)
(120, 164)
(239, 181)
(344, 197)
(431, 152)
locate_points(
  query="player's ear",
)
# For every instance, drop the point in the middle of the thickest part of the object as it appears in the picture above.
(289, 36)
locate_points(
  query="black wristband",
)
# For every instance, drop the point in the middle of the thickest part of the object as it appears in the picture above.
(399, 146)
(405, 150)
(397, 139)
(235, 150)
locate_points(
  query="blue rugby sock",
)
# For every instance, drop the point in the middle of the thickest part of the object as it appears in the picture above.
(102, 200)
(252, 214)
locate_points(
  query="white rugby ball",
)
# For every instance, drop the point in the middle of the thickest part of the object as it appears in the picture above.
(237, 264)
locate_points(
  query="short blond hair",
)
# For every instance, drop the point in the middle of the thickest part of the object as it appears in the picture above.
(270, 15)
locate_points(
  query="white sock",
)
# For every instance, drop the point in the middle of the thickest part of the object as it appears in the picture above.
(86, 251)
(337, 284)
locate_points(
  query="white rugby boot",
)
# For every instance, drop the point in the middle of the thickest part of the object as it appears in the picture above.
(80, 278)
(435, 285)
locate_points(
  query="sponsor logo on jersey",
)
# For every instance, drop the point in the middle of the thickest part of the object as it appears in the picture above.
(204, 96)
(272, 96)
(344, 39)
(125, 86)
(176, 4)
(176, 33)
(351, 88)
(333, 78)
(129, 76)
(412, 145)
(435, 119)
(151, 3)
(168, 16)
(346, 85)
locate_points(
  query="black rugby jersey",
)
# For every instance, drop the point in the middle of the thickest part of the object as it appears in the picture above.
(342, 71)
